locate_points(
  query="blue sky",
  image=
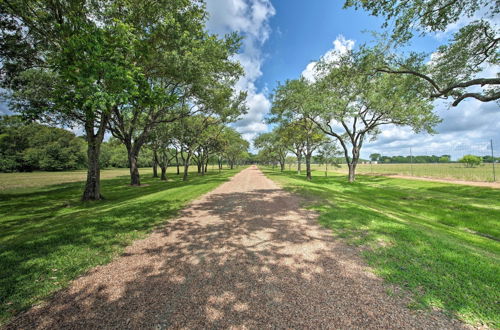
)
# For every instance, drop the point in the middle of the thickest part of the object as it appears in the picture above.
(283, 36)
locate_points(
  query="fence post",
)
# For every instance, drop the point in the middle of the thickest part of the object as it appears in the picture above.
(493, 160)
(411, 163)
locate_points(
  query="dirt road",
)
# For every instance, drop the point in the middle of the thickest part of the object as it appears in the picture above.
(243, 256)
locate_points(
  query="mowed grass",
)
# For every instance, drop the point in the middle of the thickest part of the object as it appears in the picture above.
(41, 178)
(438, 241)
(48, 236)
(452, 171)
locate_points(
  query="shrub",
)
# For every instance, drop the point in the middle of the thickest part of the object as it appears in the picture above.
(470, 160)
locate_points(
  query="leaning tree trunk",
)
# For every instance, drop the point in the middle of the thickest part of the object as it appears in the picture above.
(92, 190)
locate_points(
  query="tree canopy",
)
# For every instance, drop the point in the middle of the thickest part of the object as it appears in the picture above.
(456, 68)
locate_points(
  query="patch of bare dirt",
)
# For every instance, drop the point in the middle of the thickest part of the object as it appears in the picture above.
(243, 256)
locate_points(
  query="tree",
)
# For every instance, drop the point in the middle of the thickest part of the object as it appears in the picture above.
(295, 142)
(470, 160)
(26, 146)
(375, 157)
(185, 70)
(235, 147)
(312, 136)
(69, 61)
(290, 107)
(445, 159)
(452, 71)
(350, 102)
(273, 147)
(328, 154)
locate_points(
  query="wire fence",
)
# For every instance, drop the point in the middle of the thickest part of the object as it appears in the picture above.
(474, 162)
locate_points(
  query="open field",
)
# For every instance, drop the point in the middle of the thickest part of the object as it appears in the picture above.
(483, 172)
(438, 241)
(39, 178)
(48, 236)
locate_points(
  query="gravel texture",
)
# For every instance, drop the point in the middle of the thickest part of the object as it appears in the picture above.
(244, 256)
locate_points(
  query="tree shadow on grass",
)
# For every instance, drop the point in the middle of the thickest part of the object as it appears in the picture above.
(238, 259)
(49, 237)
(413, 234)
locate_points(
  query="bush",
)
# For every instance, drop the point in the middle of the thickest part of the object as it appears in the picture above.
(470, 160)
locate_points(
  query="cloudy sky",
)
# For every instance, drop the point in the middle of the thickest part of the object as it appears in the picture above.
(284, 38)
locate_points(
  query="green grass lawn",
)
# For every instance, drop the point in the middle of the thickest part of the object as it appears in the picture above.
(40, 178)
(48, 237)
(483, 172)
(438, 241)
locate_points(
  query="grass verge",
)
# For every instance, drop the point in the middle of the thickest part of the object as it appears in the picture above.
(48, 236)
(441, 242)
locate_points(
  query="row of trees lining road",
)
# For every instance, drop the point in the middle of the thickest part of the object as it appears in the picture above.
(125, 67)
(357, 92)
(348, 103)
(30, 146)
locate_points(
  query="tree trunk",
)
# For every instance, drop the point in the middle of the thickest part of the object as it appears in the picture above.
(352, 172)
(186, 167)
(134, 170)
(92, 190)
(155, 164)
(308, 167)
(177, 162)
(206, 165)
(163, 173)
(155, 170)
(202, 166)
(282, 166)
(299, 164)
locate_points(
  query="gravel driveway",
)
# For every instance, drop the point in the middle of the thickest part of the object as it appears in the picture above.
(243, 256)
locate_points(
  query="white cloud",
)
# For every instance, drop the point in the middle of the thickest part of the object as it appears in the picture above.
(467, 128)
(482, 14)
(341, 45)
(251, 19)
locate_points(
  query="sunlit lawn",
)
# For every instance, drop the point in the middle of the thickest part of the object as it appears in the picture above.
(439, 241)
(41, 178)
(48, 237)
(456, 171)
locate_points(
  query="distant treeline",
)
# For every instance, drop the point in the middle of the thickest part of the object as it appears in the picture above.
(422, 159)
(26, 147)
